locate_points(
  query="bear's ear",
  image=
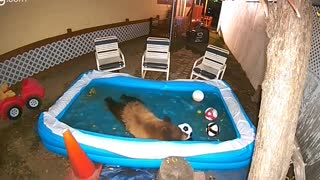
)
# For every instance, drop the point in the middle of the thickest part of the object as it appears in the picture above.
(167, 119)
(165, 133)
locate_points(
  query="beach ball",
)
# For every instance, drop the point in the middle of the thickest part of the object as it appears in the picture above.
(212, 129)
(197, 95)
(211, 114)
(186, 128)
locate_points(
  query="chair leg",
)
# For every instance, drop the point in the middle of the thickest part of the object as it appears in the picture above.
(167, 75)
(191, 75)
(222, 74)
(143, 73)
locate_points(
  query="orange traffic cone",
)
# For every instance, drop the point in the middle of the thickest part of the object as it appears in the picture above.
(82, 167)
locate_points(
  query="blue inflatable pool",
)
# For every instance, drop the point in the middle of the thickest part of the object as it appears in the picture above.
(109, 147)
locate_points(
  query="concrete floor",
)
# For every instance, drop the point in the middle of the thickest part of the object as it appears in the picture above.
(22, 155)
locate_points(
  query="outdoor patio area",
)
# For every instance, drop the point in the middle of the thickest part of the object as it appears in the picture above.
(23, 156)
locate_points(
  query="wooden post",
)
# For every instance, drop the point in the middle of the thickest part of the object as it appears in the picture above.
(150, 25)
(172, 20)
(205, 9)
(287, 60)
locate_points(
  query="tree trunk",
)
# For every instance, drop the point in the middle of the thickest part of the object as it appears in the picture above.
(287, 61)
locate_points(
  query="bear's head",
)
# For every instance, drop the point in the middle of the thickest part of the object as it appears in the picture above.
(171, 132)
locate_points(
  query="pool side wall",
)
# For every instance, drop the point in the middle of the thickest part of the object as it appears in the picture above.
(241, 159)
(228, 160)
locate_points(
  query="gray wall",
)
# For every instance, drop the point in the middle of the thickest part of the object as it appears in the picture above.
(243, 28)
(308, 131)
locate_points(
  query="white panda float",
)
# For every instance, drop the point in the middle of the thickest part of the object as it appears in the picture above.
(186, 128)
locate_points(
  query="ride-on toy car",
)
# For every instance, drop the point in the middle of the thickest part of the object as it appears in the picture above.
(31, 95)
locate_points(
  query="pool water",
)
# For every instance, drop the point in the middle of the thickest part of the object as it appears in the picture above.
(89, 112)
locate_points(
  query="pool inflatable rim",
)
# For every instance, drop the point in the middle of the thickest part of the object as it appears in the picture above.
(49, 125)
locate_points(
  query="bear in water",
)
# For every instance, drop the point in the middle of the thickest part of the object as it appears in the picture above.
(141, 122)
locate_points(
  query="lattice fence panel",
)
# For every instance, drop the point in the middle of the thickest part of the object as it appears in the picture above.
(34, 61)
(314, 63)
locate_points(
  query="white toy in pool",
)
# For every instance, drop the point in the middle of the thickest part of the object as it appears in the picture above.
(197, 95)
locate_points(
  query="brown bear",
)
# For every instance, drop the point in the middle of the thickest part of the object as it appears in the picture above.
(141, 122)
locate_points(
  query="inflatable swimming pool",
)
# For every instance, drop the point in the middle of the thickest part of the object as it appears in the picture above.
(234, 152)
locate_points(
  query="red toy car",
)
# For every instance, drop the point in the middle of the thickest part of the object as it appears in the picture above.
(31, 94)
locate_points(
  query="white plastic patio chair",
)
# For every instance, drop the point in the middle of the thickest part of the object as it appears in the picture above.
(156, 56)
(108, 55)
(212, 65)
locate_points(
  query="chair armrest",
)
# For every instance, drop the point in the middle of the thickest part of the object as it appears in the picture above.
(122, 57)
(224, 67)
(222, 71)
(168, 60)
(121, 54)
(168, 57)
(197, 61)
(97, 60)
(143, 57)
(96, 54)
